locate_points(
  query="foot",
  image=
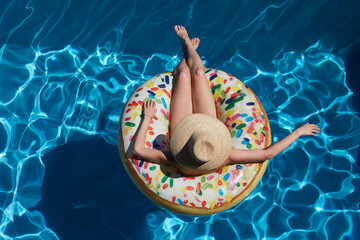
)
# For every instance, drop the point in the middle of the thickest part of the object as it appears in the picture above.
(183, 35)
(181, 32)
(195, 42)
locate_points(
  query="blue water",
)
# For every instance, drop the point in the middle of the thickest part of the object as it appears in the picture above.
(68, 67)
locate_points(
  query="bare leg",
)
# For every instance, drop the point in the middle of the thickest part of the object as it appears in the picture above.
(202, 98)
(181, 101)
(180, 105)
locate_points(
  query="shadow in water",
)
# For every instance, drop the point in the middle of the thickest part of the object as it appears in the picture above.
(352, 67)
(86, 194)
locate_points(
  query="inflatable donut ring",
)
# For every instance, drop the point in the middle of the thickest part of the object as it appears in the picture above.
(237, 107)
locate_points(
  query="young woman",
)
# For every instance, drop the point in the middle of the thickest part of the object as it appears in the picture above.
(191, 94)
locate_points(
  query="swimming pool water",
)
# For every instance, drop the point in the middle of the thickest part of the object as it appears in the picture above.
(68, 67)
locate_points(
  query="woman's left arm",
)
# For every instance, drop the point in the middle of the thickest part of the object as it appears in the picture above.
(148, 154)
(259, 155)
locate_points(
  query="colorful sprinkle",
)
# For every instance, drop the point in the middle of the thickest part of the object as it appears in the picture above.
(198, 188)
(151, 92)
(239, 132)
(164, 103)
(229, 100)
(261, 137)
(229, 113)
(249, 119)
(229, 107)
(241, 126)
(226, 177)
(210, 177)
(249, 130)
(212, 77)
(235, 95)
(234, 117)
(223, 94)
(215, 88)
(130, 124)
(164, 178)
(171, 183)
(239, 167)
(236, 100)
(167, 93)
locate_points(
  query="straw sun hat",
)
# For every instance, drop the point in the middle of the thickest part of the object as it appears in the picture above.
(200, 142)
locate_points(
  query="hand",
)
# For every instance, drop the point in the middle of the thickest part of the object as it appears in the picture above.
(308, 129)
(149, 109)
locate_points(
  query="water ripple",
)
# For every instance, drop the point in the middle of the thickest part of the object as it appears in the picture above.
(67, 69)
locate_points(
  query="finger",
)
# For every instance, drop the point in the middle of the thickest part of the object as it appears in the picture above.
(315, 126)
(154, 103)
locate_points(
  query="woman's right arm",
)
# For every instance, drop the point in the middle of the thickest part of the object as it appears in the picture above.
(148, 154)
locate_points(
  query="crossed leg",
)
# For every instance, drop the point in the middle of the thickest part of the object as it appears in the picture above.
(181, 104)
(202, 98)
(191, 91)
